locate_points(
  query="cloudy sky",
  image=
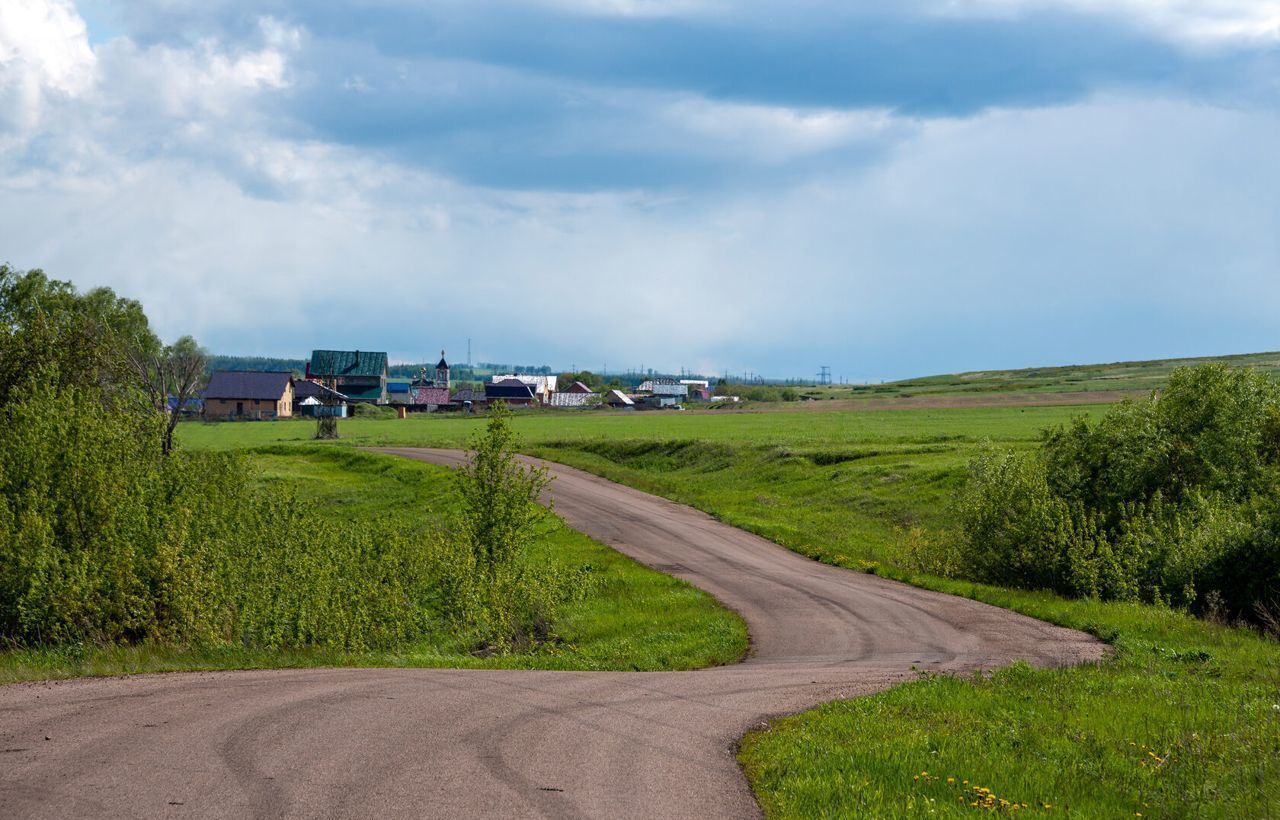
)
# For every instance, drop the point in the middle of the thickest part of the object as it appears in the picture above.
(708, 184)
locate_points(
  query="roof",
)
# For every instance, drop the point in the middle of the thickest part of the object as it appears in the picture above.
(578, 387)
(540, 383)
(442, 364)
(398, 386)
(617, 397)
(304, 389)
(247, 384)
(467, 394)
(365, 394)
(347, 363)
(509, 389)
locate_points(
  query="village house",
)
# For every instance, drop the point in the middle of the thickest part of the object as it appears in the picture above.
(243, 394)
(575, 395)
(699, 389)
(662, 393)
(513, 391)
(359, 375)
(543, 386)
(469, 400)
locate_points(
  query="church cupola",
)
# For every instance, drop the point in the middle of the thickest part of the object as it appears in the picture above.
(442, 372)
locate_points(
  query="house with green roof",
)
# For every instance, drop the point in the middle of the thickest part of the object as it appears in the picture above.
(359, 375)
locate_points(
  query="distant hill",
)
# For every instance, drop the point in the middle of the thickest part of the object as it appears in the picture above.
(1090, 382)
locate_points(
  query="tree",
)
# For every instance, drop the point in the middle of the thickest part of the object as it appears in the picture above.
(52, 337)
(170, 376)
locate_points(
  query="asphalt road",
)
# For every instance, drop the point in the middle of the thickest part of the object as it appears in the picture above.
(468, 743)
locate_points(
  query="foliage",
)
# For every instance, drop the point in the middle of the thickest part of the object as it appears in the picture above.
(106, 537)
(756, 392)
(52, 337)
(1158, 501)
(262, 363)
(105, 540)
(365, 410)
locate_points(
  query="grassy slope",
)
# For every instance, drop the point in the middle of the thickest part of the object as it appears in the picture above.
(1184, 721)
(1147, 375)
(632, 618)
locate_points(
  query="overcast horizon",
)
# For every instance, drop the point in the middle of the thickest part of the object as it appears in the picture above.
(751, 186)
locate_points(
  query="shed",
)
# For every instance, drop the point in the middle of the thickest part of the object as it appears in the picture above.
(616, 398)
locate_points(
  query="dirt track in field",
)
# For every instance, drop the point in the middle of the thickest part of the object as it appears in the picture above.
(473, 743)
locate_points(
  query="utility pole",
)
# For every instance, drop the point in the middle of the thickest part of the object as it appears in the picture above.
(468, 352)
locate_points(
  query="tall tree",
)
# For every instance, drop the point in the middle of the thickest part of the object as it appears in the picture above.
(170, 376)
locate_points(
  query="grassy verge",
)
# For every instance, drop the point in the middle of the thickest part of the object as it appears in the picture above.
(632, 618)
(1183, 721)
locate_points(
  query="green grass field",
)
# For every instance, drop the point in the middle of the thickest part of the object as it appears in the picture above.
(632, 618)
(1183, 721)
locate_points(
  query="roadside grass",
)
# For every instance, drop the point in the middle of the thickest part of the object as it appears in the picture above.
(630, 617)
(1182, 721)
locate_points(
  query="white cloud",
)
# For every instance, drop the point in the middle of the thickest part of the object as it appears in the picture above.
(44, 52)
(169, 172)
(1193, 21)
(774, 134)
(1108, 229)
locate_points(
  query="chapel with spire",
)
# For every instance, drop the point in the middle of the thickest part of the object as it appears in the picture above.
(442, 372)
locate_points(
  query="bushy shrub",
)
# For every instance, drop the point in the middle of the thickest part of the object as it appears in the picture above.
(364, 410)
(1168, 500)
(104, 540)
(492, 586)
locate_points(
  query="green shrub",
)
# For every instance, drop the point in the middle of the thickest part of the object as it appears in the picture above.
(491, 585)
(1171, 500)
(364, 410)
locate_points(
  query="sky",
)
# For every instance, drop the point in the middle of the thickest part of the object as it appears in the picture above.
(889, 189)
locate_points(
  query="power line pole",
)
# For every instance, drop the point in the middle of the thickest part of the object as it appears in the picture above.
(824, 375)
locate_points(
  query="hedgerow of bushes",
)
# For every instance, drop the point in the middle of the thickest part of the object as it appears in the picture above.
(1174, 499)
(107, 539)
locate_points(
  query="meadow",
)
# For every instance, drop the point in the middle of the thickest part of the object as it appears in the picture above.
(1182, 721)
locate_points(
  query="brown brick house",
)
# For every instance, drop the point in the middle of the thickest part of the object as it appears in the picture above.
(245, 394)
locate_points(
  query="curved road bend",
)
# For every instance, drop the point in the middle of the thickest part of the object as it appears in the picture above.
(505, 743)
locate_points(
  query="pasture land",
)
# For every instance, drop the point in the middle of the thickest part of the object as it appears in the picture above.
(1183, 720)
(628, 618)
